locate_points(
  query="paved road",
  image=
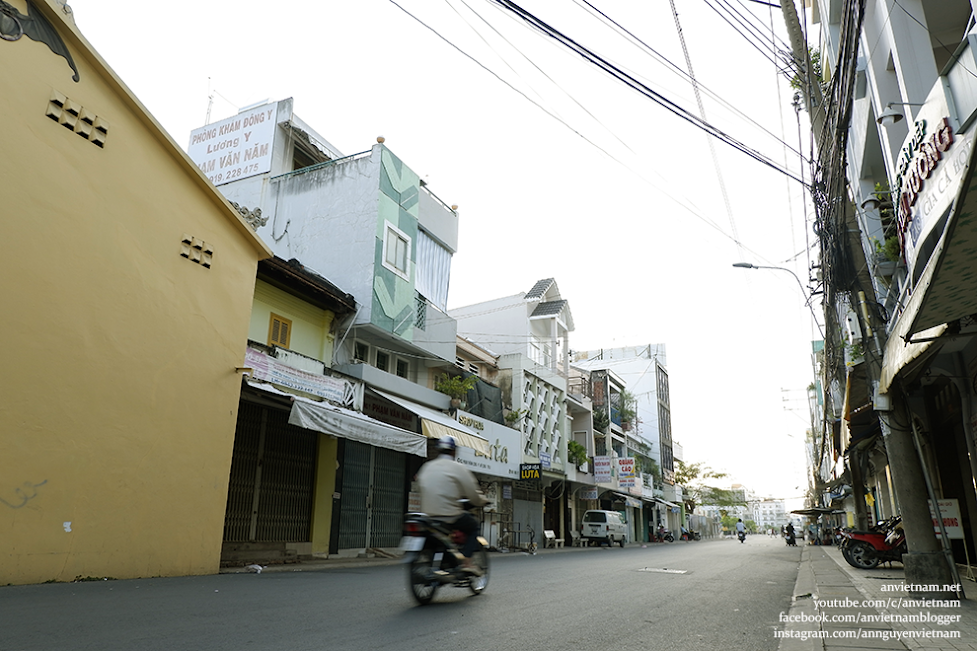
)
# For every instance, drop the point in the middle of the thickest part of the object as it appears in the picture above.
(729, 597)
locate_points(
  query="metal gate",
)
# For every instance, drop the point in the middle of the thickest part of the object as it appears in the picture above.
(272, 477)
(373, 500)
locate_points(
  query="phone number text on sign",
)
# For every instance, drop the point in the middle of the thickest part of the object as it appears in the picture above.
(236, 147)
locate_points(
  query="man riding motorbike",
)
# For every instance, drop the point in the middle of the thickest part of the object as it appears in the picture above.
(443, 483)
(740, 530)
(789, 535)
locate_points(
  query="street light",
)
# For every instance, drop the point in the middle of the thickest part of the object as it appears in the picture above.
(807, 299)
(890, 115)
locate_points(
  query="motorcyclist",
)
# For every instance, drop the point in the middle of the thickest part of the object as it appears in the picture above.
(740, 530)
(443, 482)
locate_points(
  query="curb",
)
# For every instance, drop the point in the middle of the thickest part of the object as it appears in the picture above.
(802, 603)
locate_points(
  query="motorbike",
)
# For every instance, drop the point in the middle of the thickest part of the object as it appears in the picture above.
(691, 535)
(432, 553)
(666, 536)
(790, 538)
(741, 535)
(884, 543)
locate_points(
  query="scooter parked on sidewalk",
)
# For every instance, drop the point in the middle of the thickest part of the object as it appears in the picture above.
(664, 535)
(884, 543)
(433, 558)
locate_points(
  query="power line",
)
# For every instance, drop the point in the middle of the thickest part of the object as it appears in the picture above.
(633, 83)
(677, 201)
(712, 148)
(685, 75)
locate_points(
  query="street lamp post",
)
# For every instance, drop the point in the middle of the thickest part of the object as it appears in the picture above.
(807, 300)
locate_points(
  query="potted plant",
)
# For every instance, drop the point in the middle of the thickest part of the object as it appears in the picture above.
(626, 409)
(455, 387)
(514, 416)
(601, 420)
(576, 453)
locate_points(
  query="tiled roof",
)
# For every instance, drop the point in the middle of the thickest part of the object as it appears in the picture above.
(550, 308)
(539, 289)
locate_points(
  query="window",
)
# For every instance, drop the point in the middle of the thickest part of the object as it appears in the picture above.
(361, 352)
(396, 251)
(301, 159)
(403, 368)
(383, 361)
(420, 318)
(279, 331)
(433, 270)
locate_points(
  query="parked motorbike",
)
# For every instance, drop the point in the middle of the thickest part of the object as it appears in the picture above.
(433, 557)
(884, 543)
(691, 535)
(666, 536)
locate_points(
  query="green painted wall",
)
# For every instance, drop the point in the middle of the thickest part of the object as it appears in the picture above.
(393, 296)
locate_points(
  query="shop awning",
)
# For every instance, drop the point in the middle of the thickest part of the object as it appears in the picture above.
(667, 503)
(817, 511)
(336, 421)
(435, 425)
(629, 500)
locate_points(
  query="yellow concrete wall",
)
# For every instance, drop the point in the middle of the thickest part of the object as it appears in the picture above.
(325, 487)
(120, 392)
(310, 324)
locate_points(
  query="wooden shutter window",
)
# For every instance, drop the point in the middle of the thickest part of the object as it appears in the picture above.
(279, 331)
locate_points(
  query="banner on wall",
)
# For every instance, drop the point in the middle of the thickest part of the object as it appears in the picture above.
(602, 470)
(625, 467)
(589, 493)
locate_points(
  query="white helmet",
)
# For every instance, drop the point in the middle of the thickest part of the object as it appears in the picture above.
(447, 444)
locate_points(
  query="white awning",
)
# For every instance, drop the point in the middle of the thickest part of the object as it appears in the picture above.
(352, 425)
(629, 500)
(436, 425)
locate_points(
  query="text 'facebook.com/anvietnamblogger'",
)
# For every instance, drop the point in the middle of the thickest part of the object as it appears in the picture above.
(898, 618)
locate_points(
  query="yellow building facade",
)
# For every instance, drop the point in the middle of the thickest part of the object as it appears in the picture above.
(295, 321)
(127, 283)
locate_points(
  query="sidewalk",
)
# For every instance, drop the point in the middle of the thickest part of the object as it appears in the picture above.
(879, 618)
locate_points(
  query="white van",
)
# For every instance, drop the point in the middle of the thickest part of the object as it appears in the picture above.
(603, 526)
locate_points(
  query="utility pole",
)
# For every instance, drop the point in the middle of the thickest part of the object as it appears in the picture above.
(926, 563)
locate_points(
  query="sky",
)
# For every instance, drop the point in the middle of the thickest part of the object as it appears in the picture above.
(557, 170)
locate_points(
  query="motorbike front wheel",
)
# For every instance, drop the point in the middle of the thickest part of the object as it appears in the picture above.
(420, 577)
(477, 584)
(861, 555)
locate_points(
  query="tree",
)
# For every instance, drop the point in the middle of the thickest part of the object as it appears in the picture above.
(692, 477)
(729, 524)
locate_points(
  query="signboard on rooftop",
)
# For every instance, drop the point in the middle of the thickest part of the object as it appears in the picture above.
(237, 147)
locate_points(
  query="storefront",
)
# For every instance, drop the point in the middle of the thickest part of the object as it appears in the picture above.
(497, 470)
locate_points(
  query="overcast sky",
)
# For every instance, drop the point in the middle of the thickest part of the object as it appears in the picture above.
(558, 171)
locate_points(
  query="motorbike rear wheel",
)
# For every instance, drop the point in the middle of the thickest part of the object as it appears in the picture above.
(477, 584)
(420, 577)
(861, 555)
